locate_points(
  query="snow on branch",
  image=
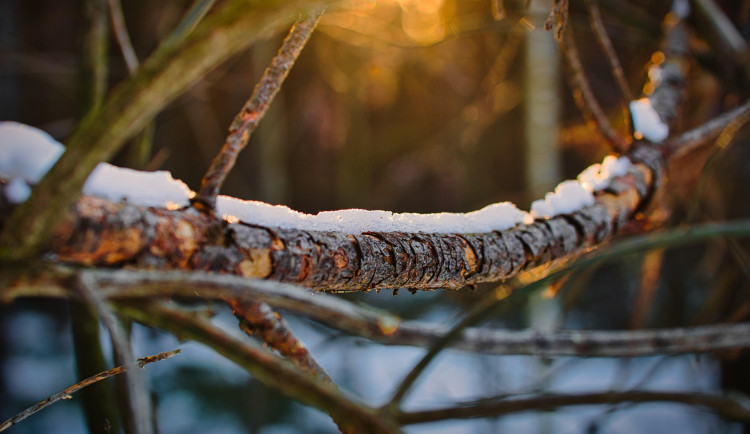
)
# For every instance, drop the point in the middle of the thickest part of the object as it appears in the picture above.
(354, 250)
(339, 250)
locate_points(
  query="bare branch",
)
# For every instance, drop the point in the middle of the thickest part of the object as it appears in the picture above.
(602, 37)
(257, 318)
(726, 31)
(94, 69)
(727, 407)
(191, 19)
(584, 95)
(121, 34)
(255, 108)
(699, 136)
(65, 393)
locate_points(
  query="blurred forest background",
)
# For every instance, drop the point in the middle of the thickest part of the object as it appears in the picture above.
(408, 106)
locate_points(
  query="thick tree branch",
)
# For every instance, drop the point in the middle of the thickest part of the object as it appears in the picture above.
(103, 233)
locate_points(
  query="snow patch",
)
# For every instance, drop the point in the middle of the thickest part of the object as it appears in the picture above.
(569, 196)
(157, 189)
(495, 217)
(26, 152)
(17, 190)
(646, 122)
(598, 176)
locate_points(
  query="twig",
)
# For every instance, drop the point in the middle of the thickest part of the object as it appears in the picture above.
(264, 365)
(138, 397)
(726, 138)
(139, 151)
(725, 29)
(257, 318)
(727, 407)
(246, 121)
(605, 43)
(94, 69)
(65, 393)
(191, 19)
(703, 134)
(122, 36)
(584, 95)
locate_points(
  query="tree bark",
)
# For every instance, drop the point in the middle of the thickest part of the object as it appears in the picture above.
(101, 233)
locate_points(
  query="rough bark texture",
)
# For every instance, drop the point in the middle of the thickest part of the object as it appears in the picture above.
(103, 233)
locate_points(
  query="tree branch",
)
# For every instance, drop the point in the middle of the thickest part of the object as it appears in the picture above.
(65, 393)
(247, 120)
(584, 96)
(725, 406)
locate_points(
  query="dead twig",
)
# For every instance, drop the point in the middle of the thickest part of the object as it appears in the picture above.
(602, 37)
(584, 96)
(255, 108)
(65, 393)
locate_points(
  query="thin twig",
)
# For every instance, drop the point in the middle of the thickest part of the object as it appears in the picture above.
(191, 19)
(122, 36)
(138, 396)
(602, 37)
(727, 407)
(721, 145)
(703, 134)
(727, 32)
(584, 96)
(94, 69)
(246, 121)
(65, 393)
(139, 151)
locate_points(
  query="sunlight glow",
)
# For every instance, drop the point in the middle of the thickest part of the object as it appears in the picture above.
(229, 218)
